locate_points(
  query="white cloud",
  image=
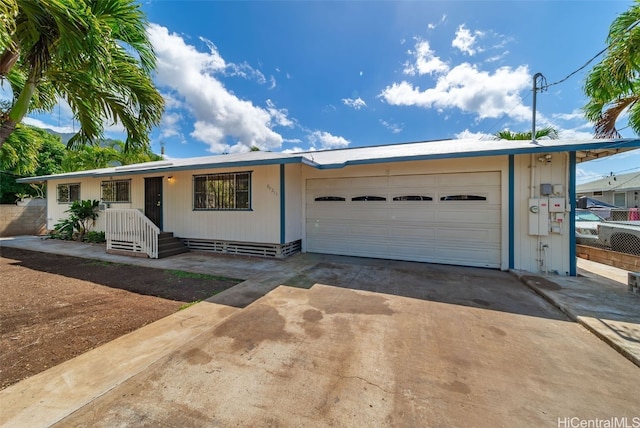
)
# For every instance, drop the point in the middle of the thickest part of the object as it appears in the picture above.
(170, 126)
(296, 150)
(468, 135)
(357, 103)
(222, 120)
(393, 127)
(327, 141)
(470, 90)
(279, 116)
(431, 26)
(585, 176)
(424, 60)
(575, 114)
(246, 71)
(574, 134)
(293, 140)
(65, 129)
(465, 41)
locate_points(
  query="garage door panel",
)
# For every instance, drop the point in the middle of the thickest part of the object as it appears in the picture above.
(468, 217)
(465, 232)
(479, 236)
(469, 179)
(418, 181)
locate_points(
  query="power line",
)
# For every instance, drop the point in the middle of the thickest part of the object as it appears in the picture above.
(631, 27)
(499, 121)
(576, 71)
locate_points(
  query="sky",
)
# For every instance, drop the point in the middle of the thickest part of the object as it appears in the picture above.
(301, 75)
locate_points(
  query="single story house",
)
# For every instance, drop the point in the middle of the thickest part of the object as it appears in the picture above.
(620, 190)
(496, 204)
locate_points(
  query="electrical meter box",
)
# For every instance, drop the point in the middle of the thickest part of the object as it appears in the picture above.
(556, 205)
(539, 217)
(546, 189)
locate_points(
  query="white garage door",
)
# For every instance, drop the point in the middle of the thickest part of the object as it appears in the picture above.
(438, 218)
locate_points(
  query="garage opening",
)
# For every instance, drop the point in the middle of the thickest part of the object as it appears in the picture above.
(437, 218)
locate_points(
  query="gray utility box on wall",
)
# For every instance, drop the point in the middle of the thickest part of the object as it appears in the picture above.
(634, 282)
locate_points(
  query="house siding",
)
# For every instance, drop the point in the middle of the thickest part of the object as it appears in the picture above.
(260, 225)
(294, 219)
(527, 253)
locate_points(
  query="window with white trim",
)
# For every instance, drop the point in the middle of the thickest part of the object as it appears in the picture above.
(620, 200)
(68, 193)
(226, 191)
(116, 191)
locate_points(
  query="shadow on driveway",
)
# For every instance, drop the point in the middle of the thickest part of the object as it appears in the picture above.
(467, 286)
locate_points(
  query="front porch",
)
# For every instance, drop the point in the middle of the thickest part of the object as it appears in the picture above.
(130, 233)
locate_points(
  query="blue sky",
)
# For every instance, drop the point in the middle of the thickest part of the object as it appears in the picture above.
(291, 76)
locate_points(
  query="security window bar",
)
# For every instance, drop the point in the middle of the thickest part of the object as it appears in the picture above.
(229, 191)
(68, 193)
(463, 198)
(116, 191)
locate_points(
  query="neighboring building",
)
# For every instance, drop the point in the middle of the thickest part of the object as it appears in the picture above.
(620, 190)
(495, 204)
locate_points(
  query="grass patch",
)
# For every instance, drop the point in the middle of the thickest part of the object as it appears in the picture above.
(193, 275)
(99, 263)
(187, 305)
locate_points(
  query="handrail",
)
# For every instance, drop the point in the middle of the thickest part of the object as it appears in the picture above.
(130, 226)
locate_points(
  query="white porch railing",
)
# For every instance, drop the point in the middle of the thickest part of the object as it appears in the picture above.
(131, 231)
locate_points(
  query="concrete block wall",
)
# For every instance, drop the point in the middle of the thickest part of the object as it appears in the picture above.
(30, 219)
(608, 257)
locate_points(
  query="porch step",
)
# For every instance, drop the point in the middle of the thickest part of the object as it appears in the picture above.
(169, 245)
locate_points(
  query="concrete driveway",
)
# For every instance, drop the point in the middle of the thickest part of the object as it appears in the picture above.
(346, 342)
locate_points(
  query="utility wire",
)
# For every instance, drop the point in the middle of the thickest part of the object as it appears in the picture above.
(545, 87)
(631, 27)
(504, 117)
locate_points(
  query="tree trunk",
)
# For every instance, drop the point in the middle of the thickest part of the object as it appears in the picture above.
(6, 129)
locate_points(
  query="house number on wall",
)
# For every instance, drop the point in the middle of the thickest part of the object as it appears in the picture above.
(274, 191)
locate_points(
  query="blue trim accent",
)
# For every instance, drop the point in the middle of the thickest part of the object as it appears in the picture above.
(283, 223)
(573, 261)
(512, 214)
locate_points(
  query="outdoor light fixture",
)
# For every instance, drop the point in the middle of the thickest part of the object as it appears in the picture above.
(170, 178)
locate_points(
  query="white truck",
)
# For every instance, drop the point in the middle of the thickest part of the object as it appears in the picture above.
(623, 237)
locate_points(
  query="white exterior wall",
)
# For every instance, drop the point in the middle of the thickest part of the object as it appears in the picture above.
(294, 218)
(261, 224)
(90, 188)
(527, 254)
(426, 167)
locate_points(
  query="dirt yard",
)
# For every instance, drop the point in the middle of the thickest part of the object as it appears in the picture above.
(54, 307)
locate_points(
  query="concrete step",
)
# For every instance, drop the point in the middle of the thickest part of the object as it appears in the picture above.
(169, 245)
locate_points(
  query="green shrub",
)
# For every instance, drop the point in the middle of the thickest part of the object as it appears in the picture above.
(82, 216)
(95, 237)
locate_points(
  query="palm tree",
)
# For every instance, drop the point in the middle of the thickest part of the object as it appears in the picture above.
(613, 85)
(547, 132)
(95, 54)
(109, 153)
